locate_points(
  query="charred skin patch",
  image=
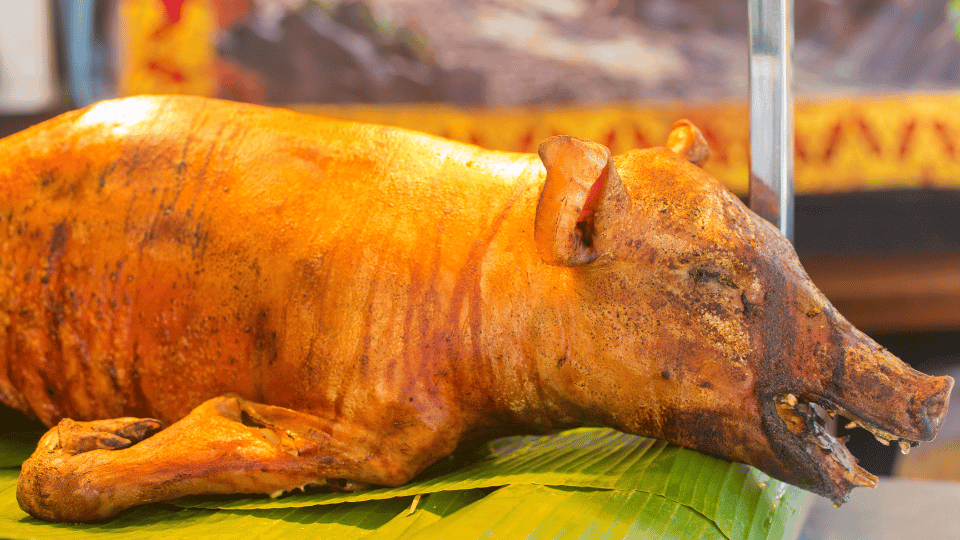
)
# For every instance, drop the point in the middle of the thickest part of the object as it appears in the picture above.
(700, 429)
(57, 241)
(703, 275)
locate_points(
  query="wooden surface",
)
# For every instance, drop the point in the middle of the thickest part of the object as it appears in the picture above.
(891, 291)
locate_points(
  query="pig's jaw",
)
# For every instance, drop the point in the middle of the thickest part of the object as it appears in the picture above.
(807, 421)
(838, 469)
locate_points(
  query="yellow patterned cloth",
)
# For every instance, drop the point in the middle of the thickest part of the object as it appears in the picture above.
(842, 145)
(166, 47)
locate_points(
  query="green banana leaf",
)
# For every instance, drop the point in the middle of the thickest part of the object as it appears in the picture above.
(584, 483)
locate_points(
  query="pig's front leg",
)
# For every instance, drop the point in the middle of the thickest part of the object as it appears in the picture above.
(91, 470)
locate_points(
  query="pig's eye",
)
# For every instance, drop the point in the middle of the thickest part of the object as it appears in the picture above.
(704, 275)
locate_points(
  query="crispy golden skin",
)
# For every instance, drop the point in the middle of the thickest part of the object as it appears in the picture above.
(344, 303)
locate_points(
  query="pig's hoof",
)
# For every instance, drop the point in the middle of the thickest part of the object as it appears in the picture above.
(78, 437)
(60, 482)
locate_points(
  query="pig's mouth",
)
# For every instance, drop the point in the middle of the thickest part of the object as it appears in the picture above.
(808, 421)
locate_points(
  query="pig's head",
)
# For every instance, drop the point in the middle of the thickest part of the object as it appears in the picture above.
(695, 322)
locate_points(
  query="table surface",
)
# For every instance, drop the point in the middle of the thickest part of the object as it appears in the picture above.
(896, 509)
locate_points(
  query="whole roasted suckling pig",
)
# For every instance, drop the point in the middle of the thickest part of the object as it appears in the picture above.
(312, 301)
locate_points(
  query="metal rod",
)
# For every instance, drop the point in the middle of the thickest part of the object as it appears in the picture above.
(771, 111)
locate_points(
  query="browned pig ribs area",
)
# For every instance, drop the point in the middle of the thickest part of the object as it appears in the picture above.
(309, 301)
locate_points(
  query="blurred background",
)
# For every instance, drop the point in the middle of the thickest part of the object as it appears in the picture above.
(877, 128)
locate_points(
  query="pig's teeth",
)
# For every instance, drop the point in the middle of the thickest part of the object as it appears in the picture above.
(859, 479)
(794, 422)
(880, 434)
(884, 437)
(904, 447)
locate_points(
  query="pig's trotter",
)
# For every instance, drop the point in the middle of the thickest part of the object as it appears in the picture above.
(91, 470)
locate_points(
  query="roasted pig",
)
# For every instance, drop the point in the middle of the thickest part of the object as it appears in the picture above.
(309, 301)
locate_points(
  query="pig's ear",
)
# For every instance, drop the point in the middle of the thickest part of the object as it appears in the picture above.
(686, 140)
(581, 202)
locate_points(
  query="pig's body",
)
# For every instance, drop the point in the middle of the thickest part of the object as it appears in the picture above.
(392, 291)
(152, 265)
(346, 273)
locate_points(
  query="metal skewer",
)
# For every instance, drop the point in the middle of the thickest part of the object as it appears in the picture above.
(771, 111)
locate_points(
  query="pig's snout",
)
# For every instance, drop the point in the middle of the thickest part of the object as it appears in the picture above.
(933, 409)
(885, 395)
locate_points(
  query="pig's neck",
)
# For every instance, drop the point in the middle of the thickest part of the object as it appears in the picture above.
(509, 317)
(528, 326)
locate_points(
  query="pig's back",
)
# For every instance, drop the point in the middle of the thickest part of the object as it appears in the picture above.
(159, 251)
